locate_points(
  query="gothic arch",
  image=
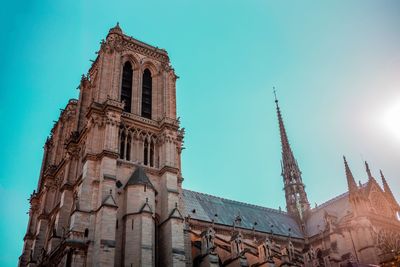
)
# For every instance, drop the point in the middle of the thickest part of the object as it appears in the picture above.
(127, 56)
(147, 64)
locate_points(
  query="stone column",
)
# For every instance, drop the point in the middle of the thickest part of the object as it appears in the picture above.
(172, 249)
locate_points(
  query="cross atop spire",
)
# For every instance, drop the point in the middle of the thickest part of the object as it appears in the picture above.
(296, 198)
(352, 185)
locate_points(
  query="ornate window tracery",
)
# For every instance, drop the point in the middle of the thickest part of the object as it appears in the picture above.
(145, 152)
(138, 145)
(122, 145)
(148, 153)
(380, 205)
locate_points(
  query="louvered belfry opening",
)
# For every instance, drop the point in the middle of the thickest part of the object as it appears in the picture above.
(126, 87)
(146, 94)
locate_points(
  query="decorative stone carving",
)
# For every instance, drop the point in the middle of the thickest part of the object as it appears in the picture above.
(266, 250)
(236, 244)
(208, 238)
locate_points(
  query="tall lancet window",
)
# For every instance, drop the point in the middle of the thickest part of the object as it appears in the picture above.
(148, 153)
(126, 86)
(128, 148)
(152, 154)
(122, 145)
(146, 94)
(145, 152)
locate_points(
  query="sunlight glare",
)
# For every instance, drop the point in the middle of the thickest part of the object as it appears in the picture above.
(391, 119)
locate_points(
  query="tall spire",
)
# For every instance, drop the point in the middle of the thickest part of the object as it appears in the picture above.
(352, 185)
(387, 190)
(287, 154)
(296, 198)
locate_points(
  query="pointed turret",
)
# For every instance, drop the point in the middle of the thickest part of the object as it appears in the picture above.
(296, 198)
(387, 190)
(351, 183)
(139, 177)
(116, 29)
(370, 177)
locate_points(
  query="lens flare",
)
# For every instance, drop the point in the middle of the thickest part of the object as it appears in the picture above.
(391, 120)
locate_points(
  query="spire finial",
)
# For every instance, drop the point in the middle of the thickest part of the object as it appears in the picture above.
(349, 175)
(274, 90)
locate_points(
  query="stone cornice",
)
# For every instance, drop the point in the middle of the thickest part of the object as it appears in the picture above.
(98, 156)
(170, 169)
(121, 42)
(132, 118)
(164, 123)
(111, 104)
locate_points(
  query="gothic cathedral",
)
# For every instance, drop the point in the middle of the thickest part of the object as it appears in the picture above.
(110, 188)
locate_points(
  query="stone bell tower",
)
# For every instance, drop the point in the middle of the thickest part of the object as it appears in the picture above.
(119, 167)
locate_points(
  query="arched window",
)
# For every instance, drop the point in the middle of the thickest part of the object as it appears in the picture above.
(146, 94)
(126, 86)
(122, 145)
(145, 152)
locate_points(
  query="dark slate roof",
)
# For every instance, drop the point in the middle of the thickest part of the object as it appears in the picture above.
(338, 207)
(139, 177)
(206, 206)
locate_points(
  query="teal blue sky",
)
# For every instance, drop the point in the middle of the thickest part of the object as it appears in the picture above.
(335, 64)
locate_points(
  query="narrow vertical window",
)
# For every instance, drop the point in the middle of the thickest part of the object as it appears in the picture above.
(69, 258)
(126, 86)
(152, 154)
(128, 148)
(122, 145)
(145, 152)
(146, 94)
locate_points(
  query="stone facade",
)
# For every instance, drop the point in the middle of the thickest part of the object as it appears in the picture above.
(110, 188)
